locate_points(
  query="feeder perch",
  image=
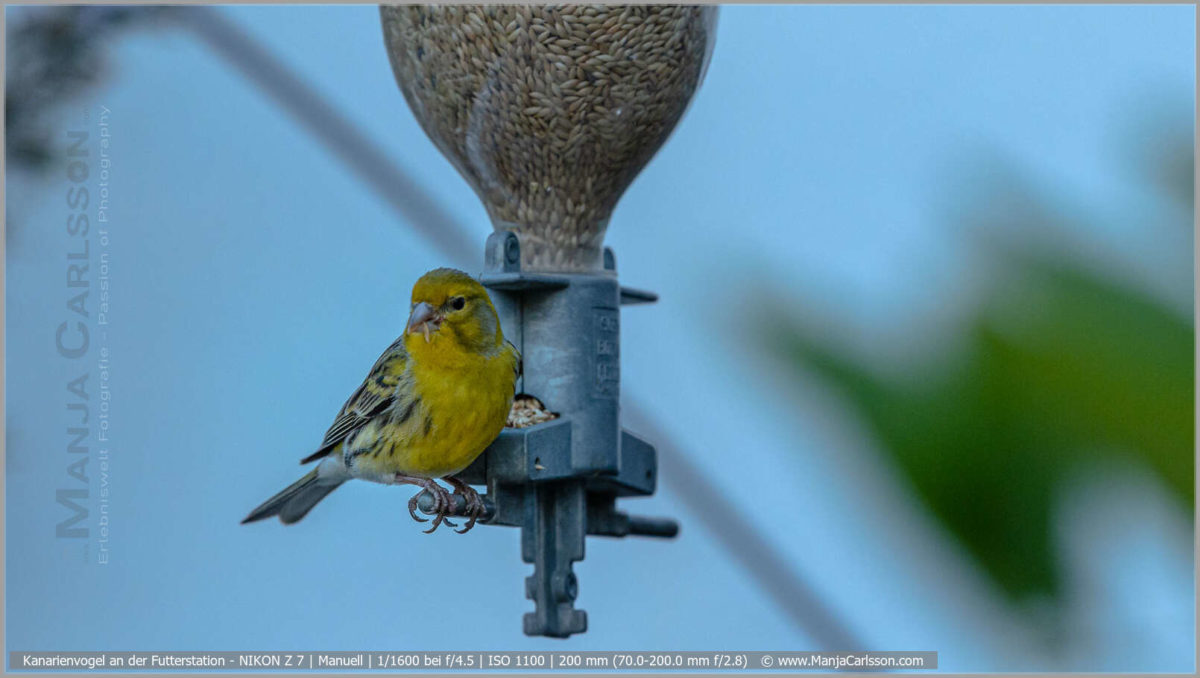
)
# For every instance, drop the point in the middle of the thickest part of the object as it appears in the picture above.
(549, 113)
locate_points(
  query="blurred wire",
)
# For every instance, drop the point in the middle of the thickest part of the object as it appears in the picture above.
(704, 499)
(742, 539)
(333, 129)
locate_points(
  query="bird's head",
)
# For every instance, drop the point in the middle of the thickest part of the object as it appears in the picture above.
(451, 312)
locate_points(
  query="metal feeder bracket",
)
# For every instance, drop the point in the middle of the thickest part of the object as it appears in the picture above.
(559, 480)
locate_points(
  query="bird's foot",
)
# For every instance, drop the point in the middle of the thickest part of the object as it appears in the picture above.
(474, 503)
(412, 509)
(443, 503)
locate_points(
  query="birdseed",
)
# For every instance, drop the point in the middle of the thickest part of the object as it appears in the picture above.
(549, 112)
(528, 411)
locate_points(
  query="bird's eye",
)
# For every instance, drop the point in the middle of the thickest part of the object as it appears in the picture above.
(457, 303)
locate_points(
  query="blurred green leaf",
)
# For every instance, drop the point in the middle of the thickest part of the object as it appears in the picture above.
(1060, 367)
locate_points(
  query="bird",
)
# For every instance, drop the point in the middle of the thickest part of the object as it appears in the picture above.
(435, 399)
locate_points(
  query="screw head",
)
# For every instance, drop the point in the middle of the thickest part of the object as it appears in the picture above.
(565, 586)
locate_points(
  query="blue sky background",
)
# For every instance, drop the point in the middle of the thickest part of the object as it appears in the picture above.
(254, 281)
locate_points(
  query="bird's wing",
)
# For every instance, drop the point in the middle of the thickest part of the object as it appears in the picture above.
(518, 362)
(377, 391)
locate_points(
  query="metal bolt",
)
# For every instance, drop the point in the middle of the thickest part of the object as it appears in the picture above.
(565, 586)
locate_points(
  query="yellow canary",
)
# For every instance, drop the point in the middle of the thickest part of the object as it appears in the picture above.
(433, 401)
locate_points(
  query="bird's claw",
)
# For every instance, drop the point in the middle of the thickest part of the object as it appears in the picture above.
(412, 509)
(442, 502)
(442, 505)
(473, 503)
(438, 520)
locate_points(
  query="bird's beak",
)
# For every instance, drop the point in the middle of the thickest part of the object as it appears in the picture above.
(424, 319)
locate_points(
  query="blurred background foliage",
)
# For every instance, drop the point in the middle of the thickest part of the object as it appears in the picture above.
(1057, 366)
(54, 58)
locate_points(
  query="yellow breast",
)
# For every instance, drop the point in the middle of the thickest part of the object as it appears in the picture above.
(451, 417)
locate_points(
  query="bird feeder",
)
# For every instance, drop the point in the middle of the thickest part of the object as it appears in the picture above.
(549, 113)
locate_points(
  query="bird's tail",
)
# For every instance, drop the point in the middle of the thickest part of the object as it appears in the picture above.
(296, 500)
